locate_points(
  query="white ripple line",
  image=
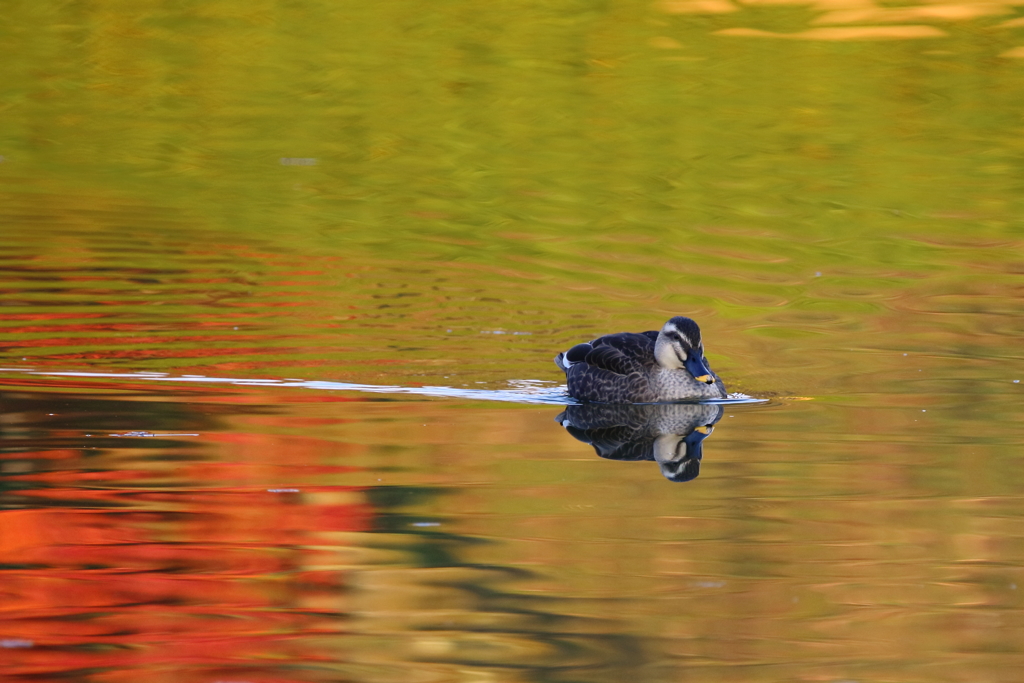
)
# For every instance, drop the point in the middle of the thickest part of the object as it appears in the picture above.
(540, 395)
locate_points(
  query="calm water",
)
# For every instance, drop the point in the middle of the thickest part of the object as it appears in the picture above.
(280, 286)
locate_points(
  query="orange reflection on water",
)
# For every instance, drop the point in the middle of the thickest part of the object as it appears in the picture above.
(157, 565)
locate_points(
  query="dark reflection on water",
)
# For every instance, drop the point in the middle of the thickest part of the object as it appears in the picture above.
(670, 434)
(235, 556)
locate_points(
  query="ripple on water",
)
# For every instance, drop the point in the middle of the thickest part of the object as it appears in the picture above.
(523, 391)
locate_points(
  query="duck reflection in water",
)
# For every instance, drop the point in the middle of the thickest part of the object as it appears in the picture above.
(671, 434)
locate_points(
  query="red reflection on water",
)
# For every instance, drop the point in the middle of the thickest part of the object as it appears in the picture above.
(161, 568)
(223, 578)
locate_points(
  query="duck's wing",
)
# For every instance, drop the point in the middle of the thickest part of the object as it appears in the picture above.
(624, 353)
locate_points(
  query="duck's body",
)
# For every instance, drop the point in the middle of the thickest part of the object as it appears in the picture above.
(645, 367)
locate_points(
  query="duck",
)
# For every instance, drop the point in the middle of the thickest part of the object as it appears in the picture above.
(642, 367)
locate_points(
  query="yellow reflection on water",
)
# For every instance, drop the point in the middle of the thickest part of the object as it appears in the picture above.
(320, 535)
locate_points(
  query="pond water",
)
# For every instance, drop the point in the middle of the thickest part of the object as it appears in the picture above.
(281, 285)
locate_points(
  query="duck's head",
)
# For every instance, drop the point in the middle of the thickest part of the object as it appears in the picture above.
(679, 346)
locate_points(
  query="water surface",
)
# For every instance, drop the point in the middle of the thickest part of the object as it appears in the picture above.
(281, 285)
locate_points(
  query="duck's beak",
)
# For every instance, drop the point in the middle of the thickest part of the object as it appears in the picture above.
(696, 366)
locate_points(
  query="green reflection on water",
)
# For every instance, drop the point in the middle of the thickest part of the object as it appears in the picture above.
(326, 190)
